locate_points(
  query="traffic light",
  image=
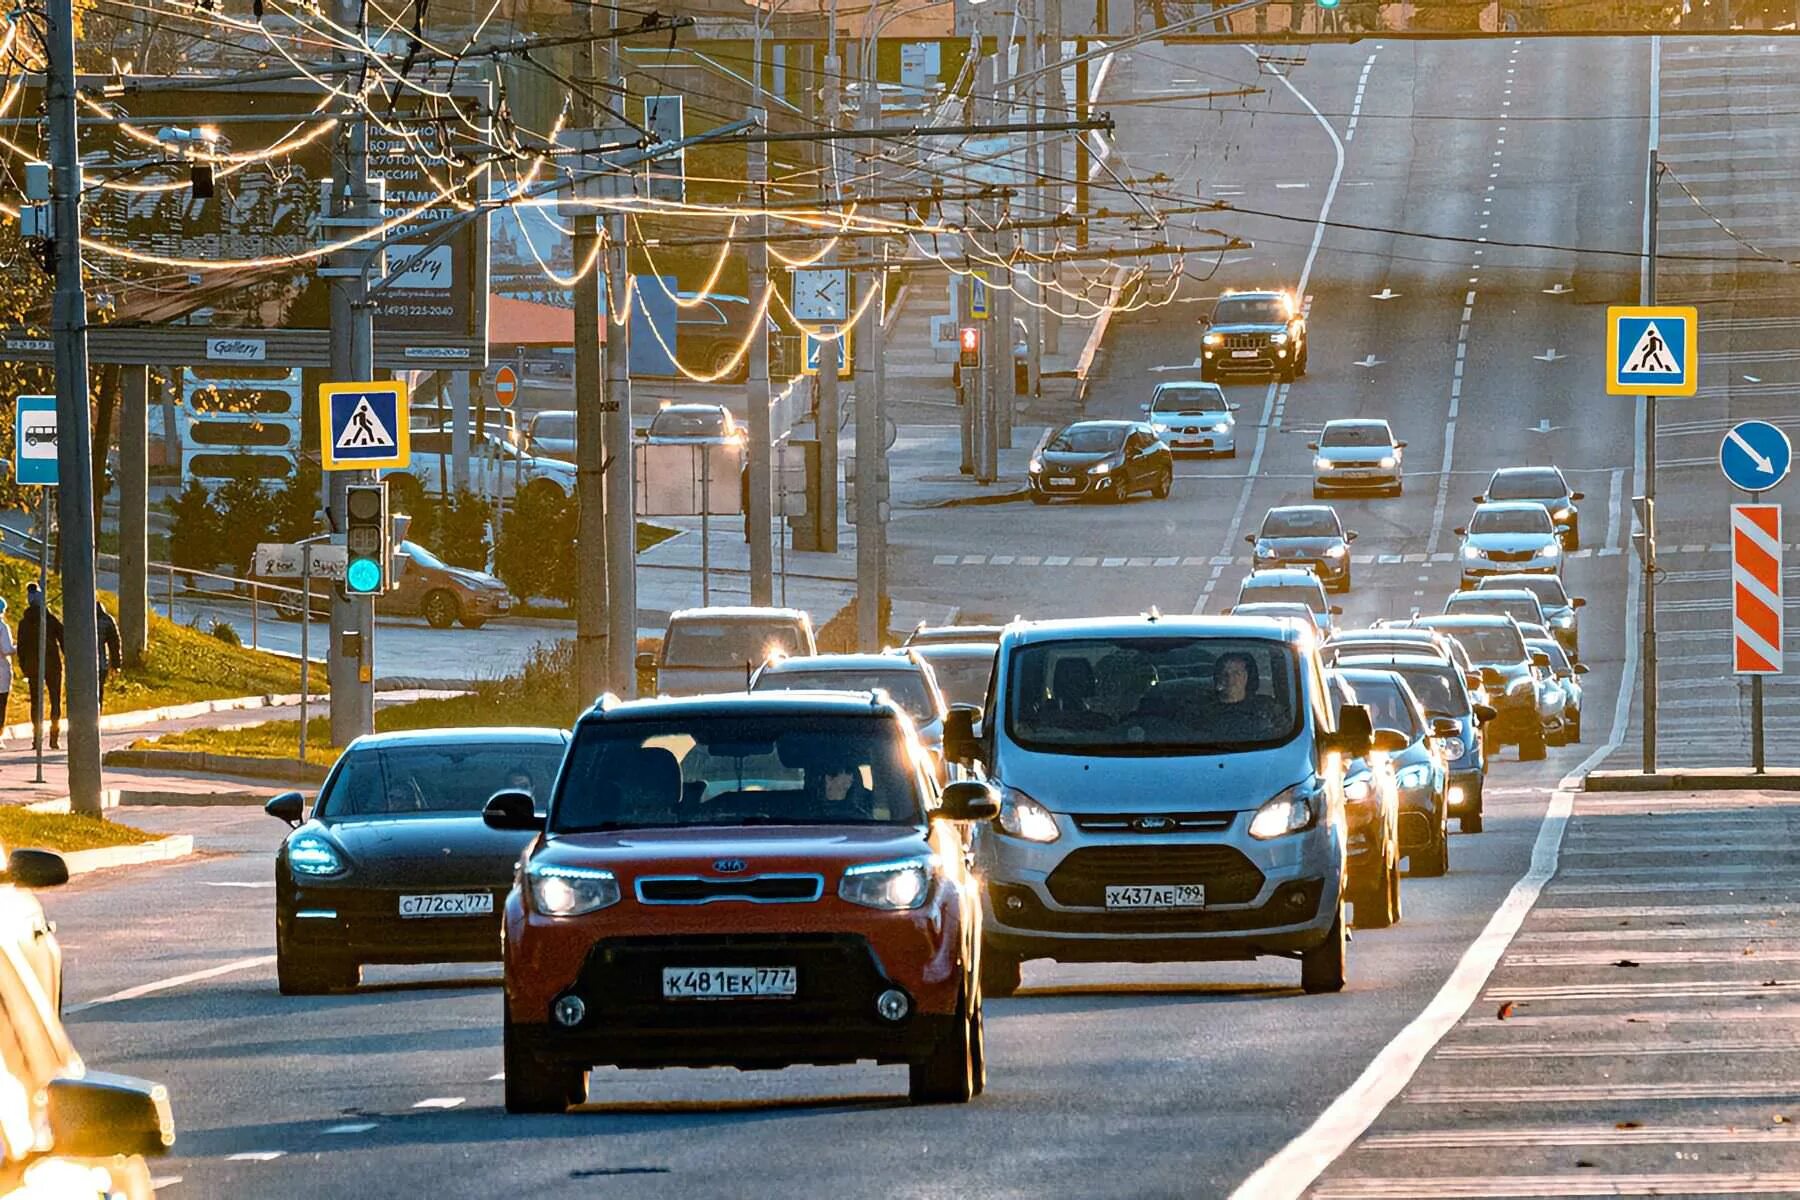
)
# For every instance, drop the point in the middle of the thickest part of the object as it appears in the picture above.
(969, 339)
(366, 532)
(1328, 3)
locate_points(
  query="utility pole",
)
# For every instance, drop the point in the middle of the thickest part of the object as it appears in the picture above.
(75, 492)
(996, 345)
(1050, 183)
(350, 666)
(1648, 556)
(134, 515)
(1081, 147)
(621, 502)
(758, 520)
(1032, 57)
(968, 379)
(591, 670)
(830, 362)
(1000, 295)
(870, 536)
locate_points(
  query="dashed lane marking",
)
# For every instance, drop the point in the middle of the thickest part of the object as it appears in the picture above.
(255, 1156)
(1585, 1184)
(1622, 1049)
(1583, 1135)
(441, 1102)
(175, 981)
(1596, 1093)
(351, 1128)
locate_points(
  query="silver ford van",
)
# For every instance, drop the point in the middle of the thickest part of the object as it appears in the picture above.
(1172, 791)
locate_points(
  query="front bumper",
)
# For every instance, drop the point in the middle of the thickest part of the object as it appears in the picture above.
(1329, 570)
(1047, 901)
(1478, 568)
(1072, 487)
(1418, 817)
(364, 925)
(1185, 441)
(1356, 478)
(1260, 359)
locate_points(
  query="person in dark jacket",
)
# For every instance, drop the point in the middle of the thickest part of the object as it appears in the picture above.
(112, 654)
(37, 621)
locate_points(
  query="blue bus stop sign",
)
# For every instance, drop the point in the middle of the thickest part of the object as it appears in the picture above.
(34, 441)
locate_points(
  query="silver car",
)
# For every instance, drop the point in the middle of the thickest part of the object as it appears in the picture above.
(905, 677)
(1193, 418)
(1360, 454)
(1169, 793)
(1509, 537)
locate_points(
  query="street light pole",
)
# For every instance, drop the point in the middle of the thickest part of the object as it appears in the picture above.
(620, 467)
(870, 548)
(758, 520)
(1648, 556)
(75, 494)
(591, 671)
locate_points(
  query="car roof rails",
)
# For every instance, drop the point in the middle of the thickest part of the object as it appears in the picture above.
(1153, 615)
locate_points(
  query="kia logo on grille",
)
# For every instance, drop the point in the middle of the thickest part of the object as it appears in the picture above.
(725, 865)
(1153, 824)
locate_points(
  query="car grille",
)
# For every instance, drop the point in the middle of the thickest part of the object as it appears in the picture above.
(1153, 823)
(1246, 341)
(1081, 879)
(1293, 903)
(1510, 555)
(756, 889)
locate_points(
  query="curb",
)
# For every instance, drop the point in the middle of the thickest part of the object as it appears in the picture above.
(1694, 779)
(126, 721)
(242, 766)
(1012, 497)
(83, 862)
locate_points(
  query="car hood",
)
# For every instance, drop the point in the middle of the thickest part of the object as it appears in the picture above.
(1249, 327)
(1202, 415)
(1238, 782)
(1069, 458)
(761, 848)
(1513, 543)
(1313, 546)
(689, 439)
(427, 850)
(477, 580)
(1356, 453)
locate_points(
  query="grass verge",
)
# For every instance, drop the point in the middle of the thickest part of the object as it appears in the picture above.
(64, 832)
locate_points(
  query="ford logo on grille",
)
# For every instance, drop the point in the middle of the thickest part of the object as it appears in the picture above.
(725, 865)
(1152, 824)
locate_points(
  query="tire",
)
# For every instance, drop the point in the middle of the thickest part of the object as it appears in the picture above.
(1038, 497)
(1433, 861)
(947, 1074)
(1470, 822)
(1378, 906)
(1322, 967)
(472, 622)
(1318, 493)
(1121, 492)
(533, 1085)
(999, 973)
(1300, 362)
(315, 975)
(1533, 748)
(1572, 539)
(440, 609)
(1163, 486)
(1574, 734)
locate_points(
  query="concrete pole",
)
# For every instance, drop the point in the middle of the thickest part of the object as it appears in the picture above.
(591, 671)
(870, 547)
(758, 519)
(830, 362)
(461, 384)
(134, 514)
(1050, 187)
(1001, 293)
(1032, 57)
(621, 503)
(75, 493)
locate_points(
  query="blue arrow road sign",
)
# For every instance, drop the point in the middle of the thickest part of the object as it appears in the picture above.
(34, 441)
(1755, 456)
(364, 425)
(1652, 351)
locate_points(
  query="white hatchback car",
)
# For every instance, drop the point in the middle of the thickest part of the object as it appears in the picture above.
(1193, 418)
(1358, 454)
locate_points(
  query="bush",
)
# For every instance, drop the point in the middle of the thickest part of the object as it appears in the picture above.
(453, 528)
(295, 508)
(536, 552)
(247, 513)
(225, 632)
(195, 529)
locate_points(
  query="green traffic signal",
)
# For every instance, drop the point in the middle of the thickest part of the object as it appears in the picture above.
(1328, 3)
(363, 576)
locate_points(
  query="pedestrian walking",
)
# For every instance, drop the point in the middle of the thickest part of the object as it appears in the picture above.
(112, 655)
(6, 653)
(39, 622)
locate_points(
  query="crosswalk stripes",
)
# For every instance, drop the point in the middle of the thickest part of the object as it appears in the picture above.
(1197, 561)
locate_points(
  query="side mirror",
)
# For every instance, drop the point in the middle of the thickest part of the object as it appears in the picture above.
(1388, 741)
(968, 800)
(1336, 610)
(1143, 408)
(1399, 445)
(1251, 538)
(36, 869)
(1539, 659)
(960, 743)
(289, 807)
(1578, 602)
(1485, 713)
(1445, 727)
(101, 1115)
(1579, 668)
(1492, 677)
(1462, 531)
(1578, 495)
(515, 811)
(1355, 732)
(1232, 406)
(1350, 535)
(1312, 445)
(646, 662)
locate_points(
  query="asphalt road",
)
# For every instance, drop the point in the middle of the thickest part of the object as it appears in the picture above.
(1104, 1081)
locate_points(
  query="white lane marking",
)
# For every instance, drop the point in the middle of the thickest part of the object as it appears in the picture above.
(497, 1077)
(159, 1182)
(1362, 86)
(1588, 1183)
(1626, 1049)
(260, 883)
(1312, 254)
(163, 985)
(255, 1156)
(1676, 990)
(1724, 1089)
(352, 1127)
(441, 1102)
(1583, 1135)
(1615, 506)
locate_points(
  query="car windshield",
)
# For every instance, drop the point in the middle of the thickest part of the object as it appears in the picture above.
(1489, 643)
(1356, 433)
(1389, 705)
(1189, 398)
(1534, 484)
(554, 425)
(1512, 520)
(1272, 608)
(962, 675)
(1338, 650)
(1088, 439)
(437, 778)
(1559, 660)
(682, 770)
(1519, 608)
(688, 422)
(1283, 593)
(1152, 695)
(1439, 688)
(721, 642)
(1547, 588)
(1250, 310)
(422, 556)
(905, 684)
(1300, 522)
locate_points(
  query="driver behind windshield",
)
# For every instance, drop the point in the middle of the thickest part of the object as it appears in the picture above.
(1238, 705)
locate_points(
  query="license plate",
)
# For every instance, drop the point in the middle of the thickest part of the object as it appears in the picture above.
(728, 983)
(1061, 483)
(1243, 354)
(1156, 895)
(448, 904)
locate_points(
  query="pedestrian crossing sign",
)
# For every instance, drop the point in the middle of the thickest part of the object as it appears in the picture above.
(363, 426)
(1652, 351)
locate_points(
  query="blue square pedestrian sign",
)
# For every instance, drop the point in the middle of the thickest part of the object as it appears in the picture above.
(1652, 351)
(846, 368)
(364, 426)
(34, 441)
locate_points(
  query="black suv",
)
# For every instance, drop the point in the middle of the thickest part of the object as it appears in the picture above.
(1255, 332)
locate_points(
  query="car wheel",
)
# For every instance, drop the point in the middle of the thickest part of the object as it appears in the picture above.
(1322, 967)
(1000, 973)
(1470, 822)
(472, 622)
(440, 609)
(1121, 491)
(1163, 485)
(532, 1084)
(1318, 492)
(1574, 731)
(313, 975)
(1038, 497)
(1300, 362)
(946, 1075)
(1572, 539)
(1432, 860)
(1533, 747)
(1375, 905)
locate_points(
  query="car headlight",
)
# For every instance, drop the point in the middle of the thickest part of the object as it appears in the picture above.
(1417, 775)
(1213, 339)
(1563, 620)
(1278, 339)
(1357, 790)
(1322, 463)
(1221, 427)
(1265, 552)
(1159, 427)
(1036, 467)
(1519, 686)
(1290, 812)
(1025, 818)
(1386, 460)
(1454, 747)
(1551, 550)
(894, 886)
(1471, 552)
(1335, 552)
(1100, 468)
(1564, 514)
(558, 891)
(311, 855)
